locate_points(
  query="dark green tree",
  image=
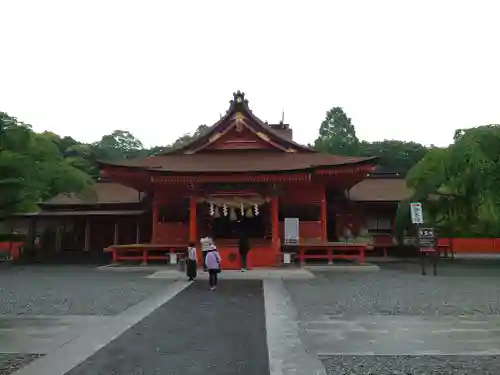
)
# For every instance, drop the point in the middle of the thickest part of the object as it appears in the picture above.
(394, 156)
(188, 137)
(120, 144)
(459, 184)
(337, 134)
(32, 169)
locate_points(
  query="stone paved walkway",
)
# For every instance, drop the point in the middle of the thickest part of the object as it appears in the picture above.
(390, 322)
(255, 274)
(197, 332)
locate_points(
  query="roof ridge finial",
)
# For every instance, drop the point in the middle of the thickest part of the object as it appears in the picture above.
(283, 116)
(239, 97)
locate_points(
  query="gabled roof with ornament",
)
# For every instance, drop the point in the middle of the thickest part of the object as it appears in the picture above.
(239, 118)
(238, 143)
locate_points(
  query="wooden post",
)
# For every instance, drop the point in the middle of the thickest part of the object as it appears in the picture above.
(32, 233)
(324, 230)
(87, 235)
(192, 219)
(362, 255)
(58, 238)
(138, 230)
(275, 223)
(116, 233)
(155, 222)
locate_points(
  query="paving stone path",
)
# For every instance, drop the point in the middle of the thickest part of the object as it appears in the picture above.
(197, 332)
(82, 322)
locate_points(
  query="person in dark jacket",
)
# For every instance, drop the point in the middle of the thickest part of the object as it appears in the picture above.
(243, 249)
(191, 262)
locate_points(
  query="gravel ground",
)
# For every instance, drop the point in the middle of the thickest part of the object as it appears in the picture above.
(460, 289)
(412, 365)
(400, 289)
(197, 332)
(13, 362)
(69, 290)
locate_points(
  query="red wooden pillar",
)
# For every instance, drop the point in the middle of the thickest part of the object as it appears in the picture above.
(275, 223)
(192, 219)
(324, 230)
(155, 222)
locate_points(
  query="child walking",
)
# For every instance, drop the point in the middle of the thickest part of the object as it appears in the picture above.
(191, 262)
(213, 265)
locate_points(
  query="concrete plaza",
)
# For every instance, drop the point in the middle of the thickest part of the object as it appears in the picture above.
(80, 320)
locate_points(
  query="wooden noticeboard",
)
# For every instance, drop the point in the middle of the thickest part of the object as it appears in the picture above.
(426, 239)
(291, 231)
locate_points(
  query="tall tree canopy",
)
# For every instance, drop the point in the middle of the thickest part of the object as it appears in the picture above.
(32, 168)
(459, 184)
(337, 135)
(186, 138)
(394, 156)
(35, 167)
(120, 144)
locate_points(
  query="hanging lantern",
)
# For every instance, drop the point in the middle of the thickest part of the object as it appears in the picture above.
(232, 214)
(224, 209)
(249, 212)
(242, 209)
(212, 210)
(256, 209)
(216, 212)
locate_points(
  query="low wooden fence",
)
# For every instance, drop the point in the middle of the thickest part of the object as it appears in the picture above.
(472, 245)
(145, 252)
(329, 251)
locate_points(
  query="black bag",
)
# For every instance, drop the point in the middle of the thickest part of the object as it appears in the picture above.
(218, 270)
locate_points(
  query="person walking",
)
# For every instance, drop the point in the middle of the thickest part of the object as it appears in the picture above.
(206, 245)
(243, 249)
(191, 262)
(212, 261)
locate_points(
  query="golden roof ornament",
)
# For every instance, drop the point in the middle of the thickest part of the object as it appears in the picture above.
(239, 118)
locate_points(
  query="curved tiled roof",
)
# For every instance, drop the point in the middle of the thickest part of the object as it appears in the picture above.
(241, 161)
(105, 193)
(380, 190)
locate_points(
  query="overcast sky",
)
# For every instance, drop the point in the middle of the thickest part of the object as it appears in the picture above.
(408, 70)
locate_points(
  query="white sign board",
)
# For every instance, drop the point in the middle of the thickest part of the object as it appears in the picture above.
(291, 230)
(417, 215)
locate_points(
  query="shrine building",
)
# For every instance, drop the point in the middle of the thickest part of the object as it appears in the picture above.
(242, 174)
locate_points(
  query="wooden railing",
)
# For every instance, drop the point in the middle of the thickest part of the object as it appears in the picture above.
(145, 252)
(328, 251)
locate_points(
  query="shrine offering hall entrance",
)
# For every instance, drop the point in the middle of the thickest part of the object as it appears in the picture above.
(226, 212)
(240, 221)
(224, 215)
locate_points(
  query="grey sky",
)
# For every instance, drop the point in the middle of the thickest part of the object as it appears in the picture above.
(402, 70)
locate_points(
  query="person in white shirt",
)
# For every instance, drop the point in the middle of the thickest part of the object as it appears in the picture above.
(191, 262)
(206, 245)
